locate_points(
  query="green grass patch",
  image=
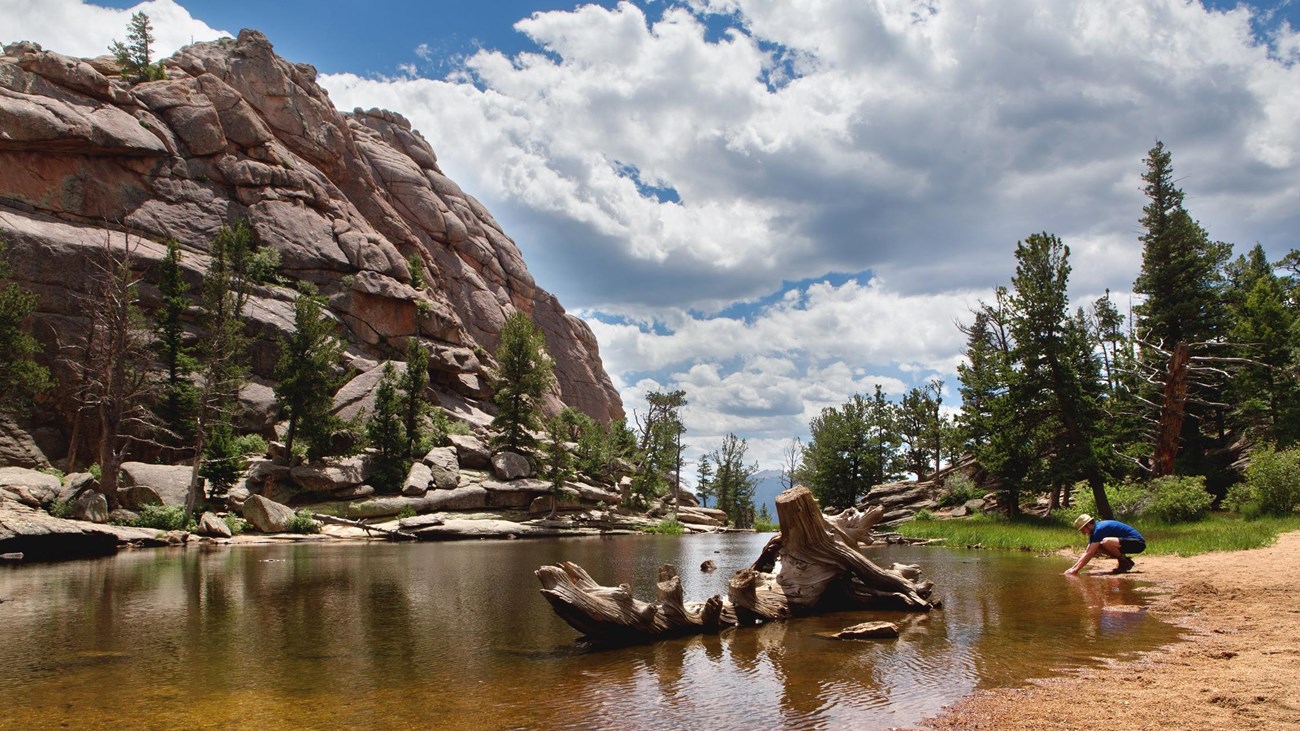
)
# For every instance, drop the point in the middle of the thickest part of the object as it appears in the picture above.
(667, 526)
(1217, 532)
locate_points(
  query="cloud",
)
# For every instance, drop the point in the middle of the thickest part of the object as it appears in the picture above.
(917, 141)
(78, 29)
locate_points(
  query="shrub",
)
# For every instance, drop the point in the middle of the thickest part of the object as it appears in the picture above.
(923, 515)
(61, 508)
(1272, 485)
(96, 471)
(667, 526)
(251, 444)
(765, 526)
(1178, 499)
(235, 523)
(407, 511)
(1127, 500)
(961, 488)
(163, 517)
(303, 523)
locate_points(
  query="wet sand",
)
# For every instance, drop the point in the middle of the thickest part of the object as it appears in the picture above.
(1239, 667)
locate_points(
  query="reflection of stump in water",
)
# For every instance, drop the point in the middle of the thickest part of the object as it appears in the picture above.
(817, 568)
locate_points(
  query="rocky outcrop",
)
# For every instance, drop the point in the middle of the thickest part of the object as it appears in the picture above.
(346, 199)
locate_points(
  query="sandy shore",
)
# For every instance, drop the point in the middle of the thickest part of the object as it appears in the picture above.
(1238, 669)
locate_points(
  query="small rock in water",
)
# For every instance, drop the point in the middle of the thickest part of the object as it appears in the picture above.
(708, 566)
(11, 556)
(868, 631)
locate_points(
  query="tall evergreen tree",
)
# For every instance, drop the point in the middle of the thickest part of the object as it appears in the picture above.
(1182, 281)
(222, 353)
(386, 433)
(524, 372)
(734, 481)
(178, 404)
(1058, 377)
(306, 380)
(20, 375)
(415, 410)
(851, 449)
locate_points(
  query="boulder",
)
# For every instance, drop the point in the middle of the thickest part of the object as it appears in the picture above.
(418, 480)
(541, 505)
(355, 492)
(90, 506)
(76, 483)
(267, 516)
(18, 448)
(29, 487)
(514, 494)
(470, 451)
(511, 466)
(593, 494)
(172, 483)
(460, 498)
(443, 467)
(383, 507)
(212, 526)
(332, 474)
(138, 496)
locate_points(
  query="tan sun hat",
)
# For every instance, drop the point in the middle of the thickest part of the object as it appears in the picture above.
(1081, 521)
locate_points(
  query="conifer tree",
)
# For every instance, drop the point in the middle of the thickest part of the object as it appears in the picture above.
(1182, 280)
(178, 404)
(524, 372)
(135, 57)
(415, 410)
(306, 380)
(20, 375)
(387, 433)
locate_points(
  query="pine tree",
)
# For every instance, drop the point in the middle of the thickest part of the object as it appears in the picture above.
(1182, 281)
(20, 375)
(222, 353)
(559, 463)
(306, 380)
(178, 405)
(386, 433)
(524, 372)
(135, 57)
(734, 481)
(415, 410)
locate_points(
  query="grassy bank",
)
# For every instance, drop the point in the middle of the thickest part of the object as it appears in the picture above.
(1218, 532)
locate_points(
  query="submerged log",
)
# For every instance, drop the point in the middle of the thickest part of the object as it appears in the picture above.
(817, 568)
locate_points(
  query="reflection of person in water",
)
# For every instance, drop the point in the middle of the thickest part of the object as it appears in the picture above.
(1111, 537)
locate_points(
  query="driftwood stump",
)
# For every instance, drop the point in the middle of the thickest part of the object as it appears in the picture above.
(812, 566)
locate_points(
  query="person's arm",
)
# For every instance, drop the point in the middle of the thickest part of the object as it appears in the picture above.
(1092, 550)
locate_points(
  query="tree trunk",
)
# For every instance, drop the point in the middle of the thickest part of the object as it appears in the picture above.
(820, 569)
(1173, 410)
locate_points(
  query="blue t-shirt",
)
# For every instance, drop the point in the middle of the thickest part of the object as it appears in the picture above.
(1114, 529)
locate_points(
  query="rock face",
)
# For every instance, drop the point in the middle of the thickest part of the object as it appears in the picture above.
(346, 199)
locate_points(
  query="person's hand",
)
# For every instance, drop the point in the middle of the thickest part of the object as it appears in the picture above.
(1071, 571)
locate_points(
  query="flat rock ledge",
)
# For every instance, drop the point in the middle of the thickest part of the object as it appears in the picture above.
(39, 536)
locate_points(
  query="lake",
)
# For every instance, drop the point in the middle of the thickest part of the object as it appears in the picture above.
(457, 636)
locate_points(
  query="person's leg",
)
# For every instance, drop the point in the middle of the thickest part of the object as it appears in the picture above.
(1110, 547)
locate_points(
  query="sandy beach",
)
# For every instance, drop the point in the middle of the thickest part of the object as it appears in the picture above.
(1239, 667)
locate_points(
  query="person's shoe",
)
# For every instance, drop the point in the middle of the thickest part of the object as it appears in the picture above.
(1125, 565)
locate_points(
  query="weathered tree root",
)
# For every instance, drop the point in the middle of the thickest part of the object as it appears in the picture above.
(817, 568)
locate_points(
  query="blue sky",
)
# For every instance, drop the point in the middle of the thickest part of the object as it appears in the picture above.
(773, 205)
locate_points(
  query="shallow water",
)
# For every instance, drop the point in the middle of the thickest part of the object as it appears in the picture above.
(456, 636)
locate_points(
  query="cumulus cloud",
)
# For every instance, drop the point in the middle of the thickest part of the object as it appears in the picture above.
(915, 140)
(78, 29)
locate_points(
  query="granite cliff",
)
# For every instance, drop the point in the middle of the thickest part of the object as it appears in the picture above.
(236, 132)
